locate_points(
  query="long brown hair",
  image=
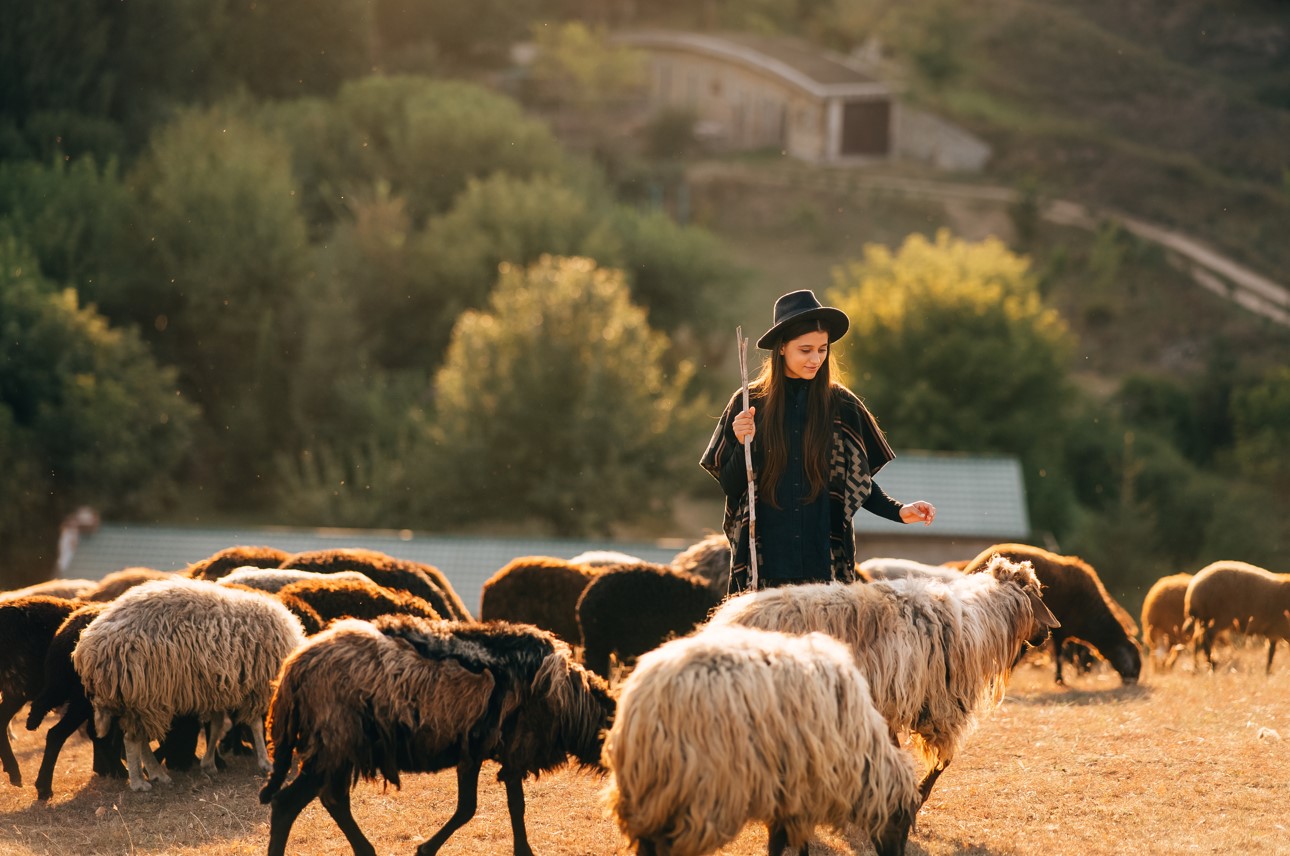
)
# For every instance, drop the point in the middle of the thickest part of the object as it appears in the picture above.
(817, 438)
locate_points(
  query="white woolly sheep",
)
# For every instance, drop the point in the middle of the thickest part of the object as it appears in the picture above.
(1087, 612)
(173, 647)
(1229, 595)
(934, 654)
(604, 558)
(1163, 616)
(538, 590)
(899, 569)
(709, 559)
(734, 725)
(402, 694)
(273, 580)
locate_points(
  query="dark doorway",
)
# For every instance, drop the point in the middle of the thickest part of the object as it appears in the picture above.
(866, 128)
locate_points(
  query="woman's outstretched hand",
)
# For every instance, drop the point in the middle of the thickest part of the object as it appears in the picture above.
(744, 426)
(913, 512)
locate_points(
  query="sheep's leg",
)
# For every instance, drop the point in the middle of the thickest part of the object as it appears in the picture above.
(335, 798)
(261, 750)
(8, 707)
(1207, 635)
(925, 786)
(218, 725)
(778, 841)
(57, 735)
(1272, 649)
(515, 806)
(1057, 656)
(156, 772)
(134, 749)
(287, 805)
(178, 749)
(467, 800)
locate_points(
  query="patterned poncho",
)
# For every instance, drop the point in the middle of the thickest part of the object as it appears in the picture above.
(859, 451)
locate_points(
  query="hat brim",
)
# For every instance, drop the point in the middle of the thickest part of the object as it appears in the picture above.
(835, 320)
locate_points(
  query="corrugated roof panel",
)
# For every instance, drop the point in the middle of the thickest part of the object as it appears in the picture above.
(974, 496)
(466, 562)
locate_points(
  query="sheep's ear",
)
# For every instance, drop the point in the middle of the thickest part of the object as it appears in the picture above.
(1044, 618)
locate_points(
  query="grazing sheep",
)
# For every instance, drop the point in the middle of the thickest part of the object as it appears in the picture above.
(1075, 594)
(538, 590)
(173, 647)
(632, 609)
(425, 581)
(66, 589)
(404, 695)
(709, 559)
(789, 737)
(27, 625)
(62, 688)
(604, 558)
(899, 569)
(117, 583)
(333, 599)
(1163, 616)
(273, 580)
(215, 566)
(934, 654)
(1238, 596)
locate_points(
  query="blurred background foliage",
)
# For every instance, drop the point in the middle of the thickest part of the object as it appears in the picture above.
(336, 264)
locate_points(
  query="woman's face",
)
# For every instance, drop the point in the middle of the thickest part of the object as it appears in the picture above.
(804, 355)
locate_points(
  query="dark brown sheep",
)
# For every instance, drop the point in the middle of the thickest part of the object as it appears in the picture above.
(538, 590)
(404, 695)
(27, 626)
(425, 581)
(119, 582)
(217, 565)
(1075, 594)
(334, 599)
(631, 609)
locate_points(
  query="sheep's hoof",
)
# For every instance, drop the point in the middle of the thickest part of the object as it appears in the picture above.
(265, 766)
(140, 786)
(15, 779)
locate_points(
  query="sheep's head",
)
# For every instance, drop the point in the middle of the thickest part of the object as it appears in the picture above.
(1022, 575)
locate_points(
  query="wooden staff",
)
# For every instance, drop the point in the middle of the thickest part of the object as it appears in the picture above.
(748, 465)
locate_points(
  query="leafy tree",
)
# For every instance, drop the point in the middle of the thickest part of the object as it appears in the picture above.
(1261, 418)
(555, 404)
(425, 139)
(72, 215)
(458, 32)
(218, 279)
(286, 48)
(577, 63)
(956, 351)
(86, 416)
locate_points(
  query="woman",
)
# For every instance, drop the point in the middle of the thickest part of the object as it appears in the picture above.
(818, 452)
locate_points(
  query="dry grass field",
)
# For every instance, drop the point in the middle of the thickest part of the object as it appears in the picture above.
(1179, 764)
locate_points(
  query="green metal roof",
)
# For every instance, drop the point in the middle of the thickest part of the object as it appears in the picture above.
(974, 495)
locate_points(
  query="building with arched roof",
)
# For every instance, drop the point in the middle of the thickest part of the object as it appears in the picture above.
(754, 92)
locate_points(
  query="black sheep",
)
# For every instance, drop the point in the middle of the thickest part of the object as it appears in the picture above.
(405, 695)
(27, 626)
(631, 609)
(1075, 594)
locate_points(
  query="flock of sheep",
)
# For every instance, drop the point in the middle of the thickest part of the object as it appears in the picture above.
(828, 704)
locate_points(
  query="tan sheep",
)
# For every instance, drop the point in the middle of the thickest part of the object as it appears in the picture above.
(1163, 616)
(1229, 595)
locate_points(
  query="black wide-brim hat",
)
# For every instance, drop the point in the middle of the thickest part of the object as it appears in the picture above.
(803, 306)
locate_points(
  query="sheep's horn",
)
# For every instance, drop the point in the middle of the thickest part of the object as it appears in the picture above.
(1043, 615)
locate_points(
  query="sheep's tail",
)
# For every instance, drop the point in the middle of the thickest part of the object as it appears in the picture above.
(283, 728)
